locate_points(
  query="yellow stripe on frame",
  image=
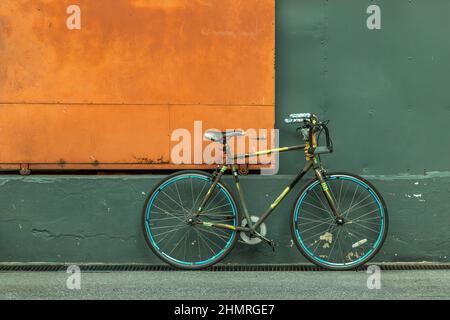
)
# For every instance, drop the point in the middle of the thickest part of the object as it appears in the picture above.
(270, 151)
(285, 192)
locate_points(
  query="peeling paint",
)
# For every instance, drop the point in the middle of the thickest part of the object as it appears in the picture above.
(392, 177)
(327, 236)
(352, 255)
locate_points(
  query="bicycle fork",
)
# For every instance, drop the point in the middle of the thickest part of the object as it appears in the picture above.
(329, 196)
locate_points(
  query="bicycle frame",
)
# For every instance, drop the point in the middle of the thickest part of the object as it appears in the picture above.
(311, 163)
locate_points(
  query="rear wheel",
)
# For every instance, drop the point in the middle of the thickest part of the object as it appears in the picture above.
(168, 227)
(332, 245)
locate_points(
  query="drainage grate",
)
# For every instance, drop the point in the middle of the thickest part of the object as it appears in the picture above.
(218, 268)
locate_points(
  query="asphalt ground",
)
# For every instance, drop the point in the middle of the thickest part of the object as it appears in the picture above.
(169, 285)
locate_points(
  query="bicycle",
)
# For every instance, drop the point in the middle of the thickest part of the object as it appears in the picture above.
(339, 221)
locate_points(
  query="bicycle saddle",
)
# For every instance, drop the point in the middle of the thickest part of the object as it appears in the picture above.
(218, 136)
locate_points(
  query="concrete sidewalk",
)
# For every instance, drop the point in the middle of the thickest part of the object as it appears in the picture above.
(226, 285)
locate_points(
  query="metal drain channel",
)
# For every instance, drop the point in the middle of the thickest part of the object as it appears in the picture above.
(218, 268)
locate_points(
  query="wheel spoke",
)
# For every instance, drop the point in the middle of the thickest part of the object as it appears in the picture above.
(319, 233)
(359, 224)
(198, 196)
(184, 209)
(334, 242)
(221, 237)
(318, 225)
(329, 212)
(166, 213)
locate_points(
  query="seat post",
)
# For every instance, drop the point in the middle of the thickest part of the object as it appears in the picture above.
(225, 149)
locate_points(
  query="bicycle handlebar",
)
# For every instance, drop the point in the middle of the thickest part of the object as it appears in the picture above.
(329, 144)
(309, 122)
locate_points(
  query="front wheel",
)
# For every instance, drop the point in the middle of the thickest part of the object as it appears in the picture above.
(340, 246)
(167, 221)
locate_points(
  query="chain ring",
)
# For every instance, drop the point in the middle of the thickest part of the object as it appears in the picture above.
(253, 240)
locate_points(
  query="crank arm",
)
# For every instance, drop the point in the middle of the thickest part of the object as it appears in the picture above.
(268, 241)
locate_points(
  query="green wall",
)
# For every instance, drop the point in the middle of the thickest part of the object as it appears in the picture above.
(385, 91)
(83, 219)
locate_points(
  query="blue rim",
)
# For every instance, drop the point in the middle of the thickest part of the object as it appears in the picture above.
(147, 217)
(382, 217)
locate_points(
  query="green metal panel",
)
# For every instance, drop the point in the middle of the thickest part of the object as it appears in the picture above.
(386, 91)
(98, 219)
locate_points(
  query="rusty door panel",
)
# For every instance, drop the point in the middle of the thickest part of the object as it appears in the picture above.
(105, 95)
(61, 134)
(147, 51)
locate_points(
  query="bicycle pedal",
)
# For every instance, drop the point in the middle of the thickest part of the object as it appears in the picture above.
(273, 244)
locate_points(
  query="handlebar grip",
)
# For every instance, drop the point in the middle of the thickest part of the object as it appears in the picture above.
(290, 120)
(303, 116)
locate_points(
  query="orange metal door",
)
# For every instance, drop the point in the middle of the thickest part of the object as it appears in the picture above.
(90, 84)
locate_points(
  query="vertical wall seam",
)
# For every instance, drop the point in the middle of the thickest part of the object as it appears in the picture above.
(325, 72)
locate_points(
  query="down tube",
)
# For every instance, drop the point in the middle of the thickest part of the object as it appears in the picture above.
(286, 191)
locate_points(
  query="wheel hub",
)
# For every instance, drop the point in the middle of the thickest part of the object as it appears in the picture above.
(192, 220)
